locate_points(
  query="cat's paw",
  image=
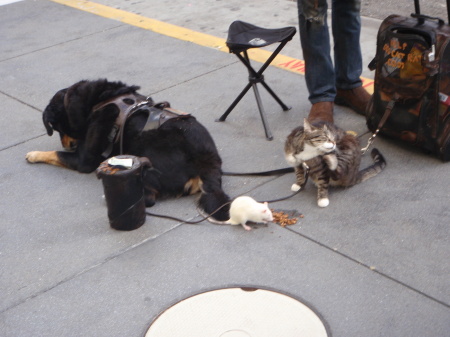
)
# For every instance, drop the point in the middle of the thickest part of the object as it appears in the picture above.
(291, 159)
(331, 161)
(295, 187)
(324, 202)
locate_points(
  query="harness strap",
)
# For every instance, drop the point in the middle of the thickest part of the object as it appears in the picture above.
(124, 103)
(161, 113)
(158, 114)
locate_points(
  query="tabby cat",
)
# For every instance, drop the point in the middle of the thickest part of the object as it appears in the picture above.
(332, 156)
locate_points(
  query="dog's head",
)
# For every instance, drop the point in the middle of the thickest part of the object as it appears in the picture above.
(70, 111)
(55, 119)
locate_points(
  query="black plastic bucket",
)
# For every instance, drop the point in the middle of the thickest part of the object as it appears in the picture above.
(124, 191)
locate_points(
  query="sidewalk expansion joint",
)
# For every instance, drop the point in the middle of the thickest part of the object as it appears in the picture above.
(193, 78)
(417, 291)
(23, 142)
(62, 43)
(87, 269)
(20, 101)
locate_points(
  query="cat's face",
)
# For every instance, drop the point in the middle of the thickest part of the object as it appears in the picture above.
(308, 143)
(321, 138)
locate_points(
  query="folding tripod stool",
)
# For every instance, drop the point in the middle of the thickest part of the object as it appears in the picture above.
(243, 36)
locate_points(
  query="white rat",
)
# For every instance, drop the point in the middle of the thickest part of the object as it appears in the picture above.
(245, 208)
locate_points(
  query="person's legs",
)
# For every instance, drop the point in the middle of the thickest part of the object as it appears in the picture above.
(346, 27)
(319, 69)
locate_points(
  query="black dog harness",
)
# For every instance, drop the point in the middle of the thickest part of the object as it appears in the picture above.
(128, 104)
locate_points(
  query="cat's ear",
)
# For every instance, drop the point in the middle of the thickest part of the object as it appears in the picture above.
(306, 125)
(328, 131)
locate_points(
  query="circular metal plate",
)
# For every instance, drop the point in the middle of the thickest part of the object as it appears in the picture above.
(238, 312)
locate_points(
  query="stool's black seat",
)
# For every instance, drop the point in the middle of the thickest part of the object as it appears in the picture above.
(243, 36)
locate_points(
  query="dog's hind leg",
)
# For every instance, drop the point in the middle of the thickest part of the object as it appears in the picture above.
(193, 186)
(213, 196)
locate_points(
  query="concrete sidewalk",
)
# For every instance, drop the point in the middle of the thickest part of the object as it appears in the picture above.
(373, 263)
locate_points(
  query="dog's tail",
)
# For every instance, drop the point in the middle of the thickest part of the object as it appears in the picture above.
(216, 202)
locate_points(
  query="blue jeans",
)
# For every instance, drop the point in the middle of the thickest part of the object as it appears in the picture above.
(322, 78)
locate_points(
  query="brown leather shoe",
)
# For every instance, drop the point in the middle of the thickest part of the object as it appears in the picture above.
(321, 111)
(356, 99)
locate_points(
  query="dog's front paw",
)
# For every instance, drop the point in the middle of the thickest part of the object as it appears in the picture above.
(49, 157)
(150, 200)
(33, 156)
(295, 187)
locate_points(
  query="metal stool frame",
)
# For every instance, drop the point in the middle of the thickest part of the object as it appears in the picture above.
(254, 78)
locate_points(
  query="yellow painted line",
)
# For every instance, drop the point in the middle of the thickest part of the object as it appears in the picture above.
(167, 29)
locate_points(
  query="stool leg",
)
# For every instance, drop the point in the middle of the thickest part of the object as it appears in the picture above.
(236, 101)
(272, 93)
(262, 113)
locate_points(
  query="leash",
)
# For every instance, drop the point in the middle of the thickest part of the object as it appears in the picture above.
(305, 167)
(215, 211)
(383, 120)
(261, 174)
(282, 198)
(186, 221)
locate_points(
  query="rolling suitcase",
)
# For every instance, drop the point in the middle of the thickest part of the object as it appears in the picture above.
(411, 99)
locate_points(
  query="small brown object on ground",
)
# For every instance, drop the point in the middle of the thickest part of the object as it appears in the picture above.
(284, 219)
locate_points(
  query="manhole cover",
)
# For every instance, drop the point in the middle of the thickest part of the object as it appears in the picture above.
(238, 312)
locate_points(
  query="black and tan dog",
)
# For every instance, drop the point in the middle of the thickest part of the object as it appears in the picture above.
(89, 114)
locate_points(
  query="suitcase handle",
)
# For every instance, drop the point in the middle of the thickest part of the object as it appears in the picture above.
(422, 18)
(426, 34)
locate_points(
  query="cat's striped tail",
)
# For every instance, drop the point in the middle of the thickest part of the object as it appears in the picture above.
(379, 163)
